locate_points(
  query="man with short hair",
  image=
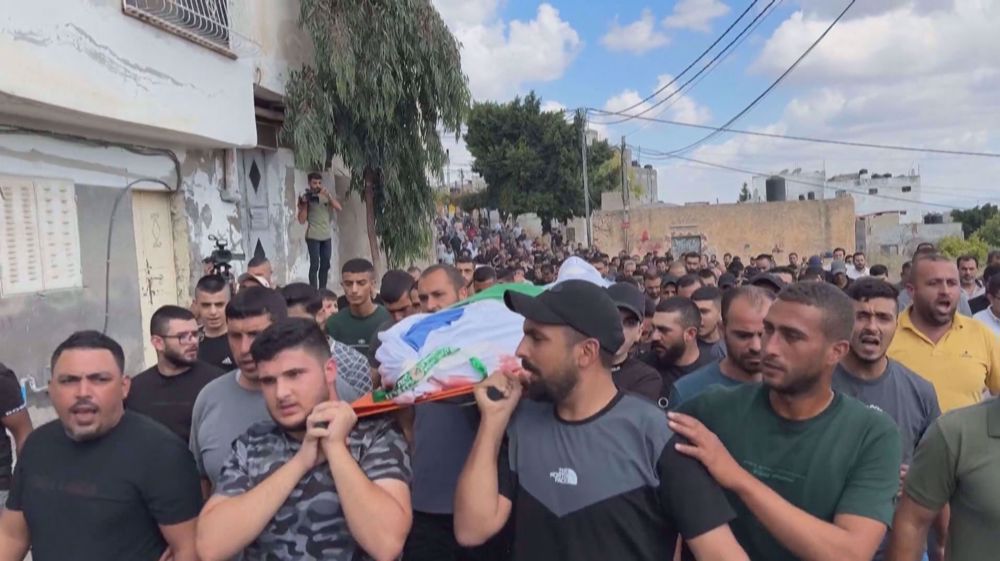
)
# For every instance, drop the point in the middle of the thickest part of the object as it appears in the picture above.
(764, 262)
(957, 354)
(99, 482)
(260, 268)
(955, 467)
(571, 491)
(14, 418)
(629, 373)
(674, 349)
(786, 274)
(708, 277)
(467, 267)
(653, 283)
(355, 324)
(687, 284)
(880, 272)
(990, 317)
(867, 374)
(708, 300)
(483, 278)
(211, 295)
(329, 304)
(981, 302)
(793, 261)
(811, 473)
(859, 269)
(166, 392)
(315, 209)
(394, 290)
(743, 312)
(228, 405)
(968, 275)
(303, 301)
(692, 263)
(311, 481)
(600, 264)
(442, 437)
(993, 258)
(840, 254)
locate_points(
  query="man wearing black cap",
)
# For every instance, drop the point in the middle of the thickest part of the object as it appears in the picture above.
(668, 287)
(574, 492)
(629, 373)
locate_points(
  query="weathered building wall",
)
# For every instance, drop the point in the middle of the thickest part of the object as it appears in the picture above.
(805, 227)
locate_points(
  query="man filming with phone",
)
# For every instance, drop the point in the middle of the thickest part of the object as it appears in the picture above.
(316, 208)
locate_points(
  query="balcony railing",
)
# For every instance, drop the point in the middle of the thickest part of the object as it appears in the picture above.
(205, 22)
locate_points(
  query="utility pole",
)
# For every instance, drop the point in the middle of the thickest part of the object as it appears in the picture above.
(625, 195)
(586, 187)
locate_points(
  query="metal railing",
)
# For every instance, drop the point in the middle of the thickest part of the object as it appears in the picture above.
(206, 22)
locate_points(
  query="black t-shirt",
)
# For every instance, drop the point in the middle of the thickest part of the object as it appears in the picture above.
(579, 495)
(11, 401)
(104, 499)
(169, 400)
(673, 372)
(215, 351)
(635, 376)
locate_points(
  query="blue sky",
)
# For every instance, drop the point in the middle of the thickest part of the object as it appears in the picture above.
(912, 72)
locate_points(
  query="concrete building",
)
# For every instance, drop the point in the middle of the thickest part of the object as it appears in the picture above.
(805, 227)
(645, 176)
(183, 100)
(872, 192)
(887, 234)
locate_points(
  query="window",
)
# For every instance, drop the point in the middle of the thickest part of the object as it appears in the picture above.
(205, 22)
(907, 188)
(811, 195)
(40, 238)
(873, 191)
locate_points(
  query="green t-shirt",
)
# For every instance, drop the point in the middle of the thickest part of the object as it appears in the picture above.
(318, 220)
(958, 463)
(354, 331)
(843, 461)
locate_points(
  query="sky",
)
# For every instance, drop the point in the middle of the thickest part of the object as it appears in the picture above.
(909, 72)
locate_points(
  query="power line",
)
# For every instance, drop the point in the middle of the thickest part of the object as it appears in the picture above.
(695, 61)
(851, 143)
(749, 27)
(770, 88)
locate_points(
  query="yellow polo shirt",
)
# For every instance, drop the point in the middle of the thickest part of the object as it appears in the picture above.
(960, 365)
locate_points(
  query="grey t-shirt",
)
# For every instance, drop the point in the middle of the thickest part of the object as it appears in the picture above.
(900, 393)
(442, 438)
(223, 411)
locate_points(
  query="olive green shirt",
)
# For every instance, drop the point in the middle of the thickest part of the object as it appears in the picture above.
(958, 463)
(318, 218)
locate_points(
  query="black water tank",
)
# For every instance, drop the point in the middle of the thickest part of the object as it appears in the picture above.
(774, 189)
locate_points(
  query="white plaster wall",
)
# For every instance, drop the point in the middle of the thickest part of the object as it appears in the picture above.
(278, 44)
(85, 59)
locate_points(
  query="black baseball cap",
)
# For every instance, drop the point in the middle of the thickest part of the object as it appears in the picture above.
(727, 280)
(669, 279)
(767, 280)
(627, 297)
(577, 304)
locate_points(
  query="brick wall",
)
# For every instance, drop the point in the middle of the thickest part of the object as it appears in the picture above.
(805, 227)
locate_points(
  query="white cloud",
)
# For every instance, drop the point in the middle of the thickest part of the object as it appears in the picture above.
(637, 37)
(552, 105)
(678, 108)
(502, 59)
(696, 15)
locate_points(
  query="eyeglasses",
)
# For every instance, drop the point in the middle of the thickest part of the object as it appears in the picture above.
(183, 337)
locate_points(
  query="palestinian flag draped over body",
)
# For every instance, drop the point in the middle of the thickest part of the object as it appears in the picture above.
(427, 357)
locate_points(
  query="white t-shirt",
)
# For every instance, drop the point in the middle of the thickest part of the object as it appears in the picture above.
(853, 273)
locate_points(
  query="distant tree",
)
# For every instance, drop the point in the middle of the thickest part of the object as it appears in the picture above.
(745, 194)
(989, 232)
(972, 219)
(954, 246)
(531, 160)
(384, 78)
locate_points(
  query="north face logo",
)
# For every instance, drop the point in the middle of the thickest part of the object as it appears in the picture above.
(564, 476)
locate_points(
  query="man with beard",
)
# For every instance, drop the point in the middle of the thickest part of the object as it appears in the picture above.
(692, 263)
(653, 284)
(629, 373)
(959, 355)
(211, 295)
(743, 312)
(99, 482)
(811, 472)
(708, 300)
(228, 405)
(573, 492)
(865, 373)
(674, 344)
(312, 482)
(166, 392)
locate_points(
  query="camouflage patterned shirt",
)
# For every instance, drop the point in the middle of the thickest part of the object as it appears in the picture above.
(311, 523)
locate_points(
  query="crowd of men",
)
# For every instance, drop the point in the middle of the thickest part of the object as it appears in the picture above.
(693, 409)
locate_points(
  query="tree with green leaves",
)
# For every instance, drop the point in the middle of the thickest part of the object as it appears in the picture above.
(972, 219)
(531, 160)
(955, 247)
(384, 79)
(989, 232)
